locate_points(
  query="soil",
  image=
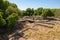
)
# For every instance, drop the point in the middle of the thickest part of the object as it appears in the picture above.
(38, 30)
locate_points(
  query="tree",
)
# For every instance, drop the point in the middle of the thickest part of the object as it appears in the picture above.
(39, 11)
(29, 11)
(5, 4)
(13, 5)
(23, 13)
(2, 21)
(11, 10)
(35, 12)
(12, 20)
(47, 13)
(1, 13)
(9, 13)
(44, 14)
(1, 2)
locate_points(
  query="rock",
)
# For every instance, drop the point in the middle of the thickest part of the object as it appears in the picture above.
(21, 38)
(30, 39)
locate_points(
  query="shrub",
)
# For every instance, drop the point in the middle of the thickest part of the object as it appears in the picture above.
(12, 20)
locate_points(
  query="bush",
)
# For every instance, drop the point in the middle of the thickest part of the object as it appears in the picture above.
(12, 20)
(47, 13)
(2, 22)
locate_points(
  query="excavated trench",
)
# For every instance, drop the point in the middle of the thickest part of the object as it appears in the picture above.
(30, 26)
(32, 29)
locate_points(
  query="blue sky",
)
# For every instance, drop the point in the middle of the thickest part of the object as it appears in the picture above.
(23, 4)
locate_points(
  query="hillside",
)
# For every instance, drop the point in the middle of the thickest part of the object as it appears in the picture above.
(38, 30)
(29, 24)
